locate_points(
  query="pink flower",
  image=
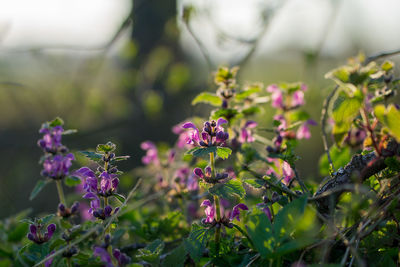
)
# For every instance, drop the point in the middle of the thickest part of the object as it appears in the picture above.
(209, 211)
(297, 99)
(246, 134)
(151, 153)
(276, 96)
(236, 211)
(304, 131)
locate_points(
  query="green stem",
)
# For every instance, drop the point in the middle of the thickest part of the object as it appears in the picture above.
(217, 206)
(60, 192)
(105, 205)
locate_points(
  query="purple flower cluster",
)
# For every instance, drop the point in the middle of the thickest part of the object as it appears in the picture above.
(152, 156)
(36, 234)
(105, 257)
(211, 213)
(56, 162)
(212, 134)
(292, 100)
(104, 185)
(68, 212)
(207, 175)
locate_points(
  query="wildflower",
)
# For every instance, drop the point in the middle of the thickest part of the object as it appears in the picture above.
(183, 136)
(304, 131)
(276, 96)
(104, 256)
(355, 137)
(207, 175)
(212, 135)
(50, 261)
(151, 153)
(57, 167)
(210, 211)
(246, 134)
(265, 209)
(51, 141)
(122, 258)
(67, 212)
(236, 211)
(283, 170)
(35, 233)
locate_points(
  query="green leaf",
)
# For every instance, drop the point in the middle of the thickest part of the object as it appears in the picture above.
(120, 198)
(224, 152)
(227, 113)
(202, 151)
(256, 183)
(287, 219)
(245, 94)
(345, 110)
(207, 98)
(152, 252)
(390, 118)
(70, 131)
(299, 115)
(176, 258)
(93, 156)
(120, 158)
(56, 122)
(387, 65)
(340, 157)
(72, 181)
(260, 231)
(38, 187)
(197, 241)
(229, 190)
(106, 148)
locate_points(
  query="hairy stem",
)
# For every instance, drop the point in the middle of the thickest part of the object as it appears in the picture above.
(217, 205)
(60, 192)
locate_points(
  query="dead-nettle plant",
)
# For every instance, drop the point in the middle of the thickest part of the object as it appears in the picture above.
(228, 192)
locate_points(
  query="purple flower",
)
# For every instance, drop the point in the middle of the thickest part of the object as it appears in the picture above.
(246, 134)
(35, 234)
(51, 141)
(209, 211)
(57, 167)
(287, 173)
(104, 256)
(212, 135)
(276, 96)
(297, 99)
(283, 170)
(122, 258)
(236, 211)
(207, 175)
(265, 209)
(304, 131)
(50, 261)
(151, 153)
(355, 137)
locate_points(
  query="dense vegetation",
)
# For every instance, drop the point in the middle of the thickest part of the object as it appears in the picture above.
(228, 192)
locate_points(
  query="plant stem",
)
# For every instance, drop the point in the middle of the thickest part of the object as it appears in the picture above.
(243, 232)
(217, 206)
(105, 205)
(60, 192)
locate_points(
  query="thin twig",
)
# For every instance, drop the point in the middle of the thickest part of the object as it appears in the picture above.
(381, 55)
(324, 114)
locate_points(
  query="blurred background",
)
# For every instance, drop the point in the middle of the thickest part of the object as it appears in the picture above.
(126, 71)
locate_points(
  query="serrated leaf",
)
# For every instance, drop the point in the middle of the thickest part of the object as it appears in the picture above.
(56, 122)
(245, 94)
(152, 252)
(202, 151)
(256, 183)
(227, 113)
(38, 187)
(106, 148)
(197, 241)
(229, 190)
(119, 197)
(224, 152)
(72, 181)
(120, 158)
(207, 98)
(92, 156)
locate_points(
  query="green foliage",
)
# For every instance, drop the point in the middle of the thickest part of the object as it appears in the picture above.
(72, 181)
(152, 252)
(224, 152)
(339, 156)
(390, 118)
(229, 190)
(197, 240)
(207, 98)
(38, 187)
(92, 156)
(106, 148)
(345, 110)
